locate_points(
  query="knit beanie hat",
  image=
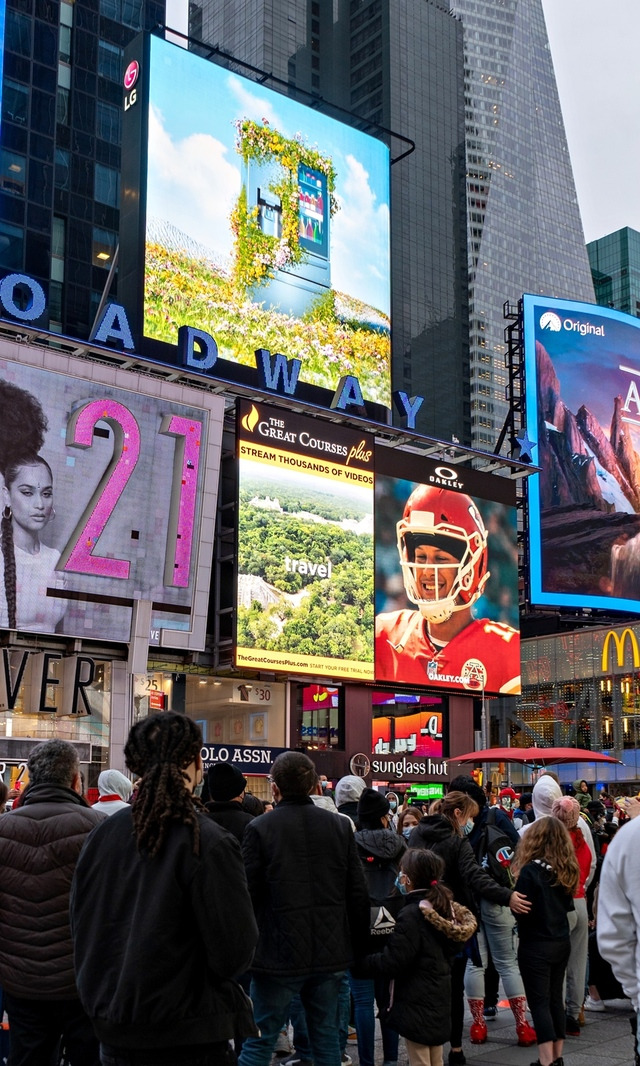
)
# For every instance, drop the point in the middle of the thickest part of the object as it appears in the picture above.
(372, 806)
(566, 809)
(225, 781)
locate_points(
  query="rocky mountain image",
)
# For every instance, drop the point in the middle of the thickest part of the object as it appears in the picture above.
(589, 493)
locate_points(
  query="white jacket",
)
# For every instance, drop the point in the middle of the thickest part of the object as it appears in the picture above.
(545, 791)
(619, 908)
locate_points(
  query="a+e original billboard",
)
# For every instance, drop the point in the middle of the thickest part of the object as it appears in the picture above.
(583, 410)
(262, 222)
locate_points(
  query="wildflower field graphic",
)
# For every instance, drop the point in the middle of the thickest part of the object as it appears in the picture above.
(209, 261)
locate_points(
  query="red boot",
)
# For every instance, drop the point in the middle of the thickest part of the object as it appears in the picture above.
(526, 1035)
(478, 1031)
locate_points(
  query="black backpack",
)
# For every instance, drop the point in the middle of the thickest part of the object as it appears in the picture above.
(495, 851)
(384, 899)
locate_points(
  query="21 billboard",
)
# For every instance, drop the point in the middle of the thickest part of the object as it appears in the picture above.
(103, 499)
(446, 577)
(264, 223)
(583, 411)
(305, 545)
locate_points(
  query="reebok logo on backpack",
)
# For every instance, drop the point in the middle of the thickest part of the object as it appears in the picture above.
(382, 921)
(494, 852)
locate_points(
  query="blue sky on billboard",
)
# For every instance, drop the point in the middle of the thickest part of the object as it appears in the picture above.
(195, 170)
(583, 408)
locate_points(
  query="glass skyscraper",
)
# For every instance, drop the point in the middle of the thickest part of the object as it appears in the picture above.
(525, 231)
(615, 265)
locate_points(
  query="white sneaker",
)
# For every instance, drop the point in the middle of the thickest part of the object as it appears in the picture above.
(594, 1004)
(618, 1004)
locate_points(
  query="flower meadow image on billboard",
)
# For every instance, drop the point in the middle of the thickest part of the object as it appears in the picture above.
(583, 411)
(103, 500)
(305, 545)
(267, 225)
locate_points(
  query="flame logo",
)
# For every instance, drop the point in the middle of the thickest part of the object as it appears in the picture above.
(250, 420)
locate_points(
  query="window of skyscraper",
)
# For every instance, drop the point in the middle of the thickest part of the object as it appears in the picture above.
(13, 172)
(11, 246)
(108, 122)
(109, 61)
(107, 185)
(15, 102)
(61, 169)
(104, 243)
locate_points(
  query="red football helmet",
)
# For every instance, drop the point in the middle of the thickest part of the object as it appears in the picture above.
(450, 521)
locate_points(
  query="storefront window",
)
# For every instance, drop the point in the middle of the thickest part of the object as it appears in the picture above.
(320, 718)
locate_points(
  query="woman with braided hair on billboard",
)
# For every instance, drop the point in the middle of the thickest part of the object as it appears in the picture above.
(29, 566)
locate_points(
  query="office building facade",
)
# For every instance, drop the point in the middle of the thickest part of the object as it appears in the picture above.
(525, 231)
(615, 266)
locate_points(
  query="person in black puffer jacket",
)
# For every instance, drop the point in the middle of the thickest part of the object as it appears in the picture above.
(429, 932)
(445, 833)
(380, 850)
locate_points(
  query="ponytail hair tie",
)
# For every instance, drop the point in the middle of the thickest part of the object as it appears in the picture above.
(433, 883)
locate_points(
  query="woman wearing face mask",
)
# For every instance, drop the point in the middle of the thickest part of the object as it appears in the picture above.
(408, 819)
(445, 832)
(380, 850)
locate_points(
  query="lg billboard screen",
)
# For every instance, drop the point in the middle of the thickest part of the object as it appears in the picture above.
(267, 223)
(104, 501)
(583, 410)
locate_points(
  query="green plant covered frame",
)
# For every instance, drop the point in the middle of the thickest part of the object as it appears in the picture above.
(258, 255)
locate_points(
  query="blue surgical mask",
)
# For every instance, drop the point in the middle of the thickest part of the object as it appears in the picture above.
(393, 804)
(407, 831)
(400, 885)
(468, 827)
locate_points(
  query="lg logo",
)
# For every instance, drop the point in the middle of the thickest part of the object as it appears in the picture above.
(130, 78)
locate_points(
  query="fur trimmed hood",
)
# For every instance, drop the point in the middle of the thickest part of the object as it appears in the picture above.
(459, 928)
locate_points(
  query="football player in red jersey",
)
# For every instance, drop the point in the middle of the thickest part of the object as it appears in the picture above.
(442, 542)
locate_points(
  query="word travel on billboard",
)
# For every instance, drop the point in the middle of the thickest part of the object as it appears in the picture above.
(197, 349)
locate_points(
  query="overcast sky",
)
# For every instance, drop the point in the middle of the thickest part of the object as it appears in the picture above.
(595, 45)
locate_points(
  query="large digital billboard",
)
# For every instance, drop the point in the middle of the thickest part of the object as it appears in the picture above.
(446, 576)
(305, 545)
(108, 483)
(265, 222)
(583, 411)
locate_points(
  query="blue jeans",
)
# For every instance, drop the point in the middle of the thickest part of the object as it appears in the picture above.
(299, 1022)
(364, 1001)
(497, 929)
(272, 996)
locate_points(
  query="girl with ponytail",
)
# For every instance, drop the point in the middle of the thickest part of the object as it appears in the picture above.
(430, 930)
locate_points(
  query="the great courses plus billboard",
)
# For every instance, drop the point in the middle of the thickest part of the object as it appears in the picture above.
(108, 484)
(583, 411)
(263, 223)
(305, 545)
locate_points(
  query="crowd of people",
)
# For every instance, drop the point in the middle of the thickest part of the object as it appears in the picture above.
(158, 928)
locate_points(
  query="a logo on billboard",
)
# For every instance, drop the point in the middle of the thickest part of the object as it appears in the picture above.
(360, 765)
(131, 74)
(251, 419)
(551, 321)
(474, 674)
(620, 642)
(444, 475)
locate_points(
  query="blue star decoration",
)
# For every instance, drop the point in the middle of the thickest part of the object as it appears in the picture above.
(526, 446)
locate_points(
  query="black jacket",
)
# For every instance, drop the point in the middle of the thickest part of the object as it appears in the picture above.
(463, 875)
(39, 846)
(230, 815)
(380, 851)
(157, 939)
(308, 890)
(418, 957)
(550, 904)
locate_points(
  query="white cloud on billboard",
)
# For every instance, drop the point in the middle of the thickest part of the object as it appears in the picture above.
(355, 257)
(193, 175)
(252, 106)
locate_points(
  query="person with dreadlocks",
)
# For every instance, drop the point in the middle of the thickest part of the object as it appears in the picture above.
(29, 565)
(161, 915)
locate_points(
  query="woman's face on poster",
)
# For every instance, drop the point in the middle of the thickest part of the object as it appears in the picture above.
(30, 497)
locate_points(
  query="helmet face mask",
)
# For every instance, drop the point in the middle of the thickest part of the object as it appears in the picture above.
(448, 522)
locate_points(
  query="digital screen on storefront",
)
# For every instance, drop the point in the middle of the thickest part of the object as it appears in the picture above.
(407, 724)
(267, 223)
(582, 366)
(305, 545)
(103, 500)
(446, 581)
